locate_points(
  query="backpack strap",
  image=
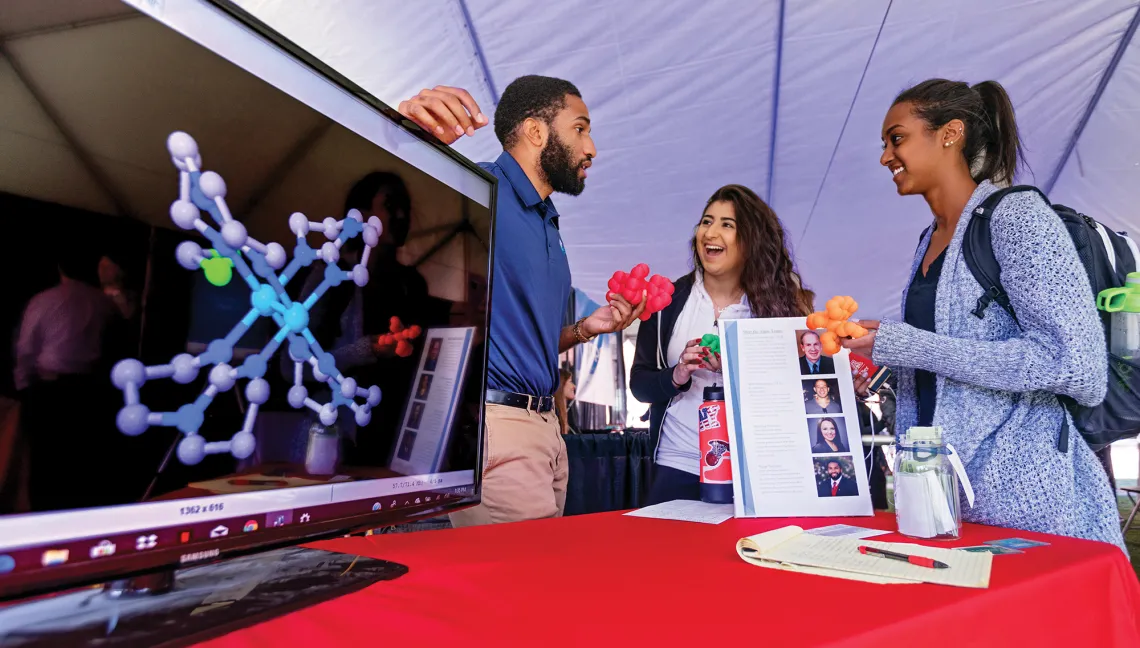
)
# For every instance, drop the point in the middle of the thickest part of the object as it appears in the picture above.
(978, 253)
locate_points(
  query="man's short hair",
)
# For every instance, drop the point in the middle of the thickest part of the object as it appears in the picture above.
(530, 96)
(78, 260)
(805, 334)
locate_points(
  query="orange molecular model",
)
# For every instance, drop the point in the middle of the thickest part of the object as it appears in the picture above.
(834, 319)
(399, 336)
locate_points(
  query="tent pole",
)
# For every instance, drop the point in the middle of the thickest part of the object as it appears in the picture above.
(85, 158)
(479, 52)
(775, 102)
(1091, 108)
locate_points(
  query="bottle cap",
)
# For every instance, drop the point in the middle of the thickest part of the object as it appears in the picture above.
(933, 434)
(714, 393)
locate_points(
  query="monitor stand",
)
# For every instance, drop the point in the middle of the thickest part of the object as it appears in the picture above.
(183, 607)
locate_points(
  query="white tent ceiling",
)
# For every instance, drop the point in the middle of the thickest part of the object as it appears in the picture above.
(785, 96)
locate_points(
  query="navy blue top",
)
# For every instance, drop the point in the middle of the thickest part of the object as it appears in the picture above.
(920, 314)
(531, 288)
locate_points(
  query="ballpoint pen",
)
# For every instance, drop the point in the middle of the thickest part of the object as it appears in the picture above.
(914, 560)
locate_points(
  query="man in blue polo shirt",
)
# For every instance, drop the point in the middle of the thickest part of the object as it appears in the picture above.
(544, 128)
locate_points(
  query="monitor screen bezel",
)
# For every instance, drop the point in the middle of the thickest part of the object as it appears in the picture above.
(50, 579)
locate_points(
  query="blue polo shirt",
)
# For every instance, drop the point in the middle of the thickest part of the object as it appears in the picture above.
(531, 288)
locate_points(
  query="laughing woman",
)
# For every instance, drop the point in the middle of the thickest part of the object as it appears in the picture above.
(991, 384)
(742, 270)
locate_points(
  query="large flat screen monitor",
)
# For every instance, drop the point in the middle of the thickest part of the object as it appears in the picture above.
(246, 317)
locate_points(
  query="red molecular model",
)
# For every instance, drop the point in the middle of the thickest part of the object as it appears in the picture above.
(658, 290)
(399, 336)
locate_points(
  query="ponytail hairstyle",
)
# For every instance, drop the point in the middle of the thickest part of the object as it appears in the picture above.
(769, 279)
(993, 147)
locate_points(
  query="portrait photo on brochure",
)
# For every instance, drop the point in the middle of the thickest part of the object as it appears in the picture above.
(424, 386)
(416, 414)
(432, 359)
(821, 396)
(827, 435)
(835, 477)
(813, 361)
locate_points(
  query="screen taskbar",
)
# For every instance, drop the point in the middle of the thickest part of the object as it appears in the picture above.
(187, 524)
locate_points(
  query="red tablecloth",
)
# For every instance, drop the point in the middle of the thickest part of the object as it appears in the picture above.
(601, 580)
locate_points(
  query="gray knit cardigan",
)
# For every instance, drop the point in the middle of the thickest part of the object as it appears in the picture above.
(996, 383)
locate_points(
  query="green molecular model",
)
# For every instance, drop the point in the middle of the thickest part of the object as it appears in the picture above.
(218, 269)
(711, 341)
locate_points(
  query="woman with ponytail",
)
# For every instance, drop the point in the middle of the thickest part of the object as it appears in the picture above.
(991, 384)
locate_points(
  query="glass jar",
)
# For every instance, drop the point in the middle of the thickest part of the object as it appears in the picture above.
(926, 486)
(322, 455)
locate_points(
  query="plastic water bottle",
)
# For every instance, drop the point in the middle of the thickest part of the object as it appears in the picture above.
(716, 466)
(1124, 304)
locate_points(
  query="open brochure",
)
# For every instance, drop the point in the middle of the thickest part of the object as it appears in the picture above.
(791, 549)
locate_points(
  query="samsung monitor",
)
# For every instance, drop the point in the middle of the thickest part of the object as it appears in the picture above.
(290, 347)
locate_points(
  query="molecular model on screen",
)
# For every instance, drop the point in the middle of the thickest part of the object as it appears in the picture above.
(205, 191)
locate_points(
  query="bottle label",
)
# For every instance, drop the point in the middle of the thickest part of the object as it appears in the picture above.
(716, 463)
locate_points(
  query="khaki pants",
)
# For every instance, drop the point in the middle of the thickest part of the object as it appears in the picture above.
(524, 468)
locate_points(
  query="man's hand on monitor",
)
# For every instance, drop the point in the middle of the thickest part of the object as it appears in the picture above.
(446, 112)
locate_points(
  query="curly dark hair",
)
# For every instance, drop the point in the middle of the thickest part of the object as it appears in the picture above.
(529, 96)
(986, 110)
(770, 280)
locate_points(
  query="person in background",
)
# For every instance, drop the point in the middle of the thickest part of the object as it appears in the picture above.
(989, 383)
(544, 127)
(742, 268)
(112, 280)
(347, 320)
(62, 374)
(566, 392)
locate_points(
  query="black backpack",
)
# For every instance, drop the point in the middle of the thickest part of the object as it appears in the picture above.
(1107, 257)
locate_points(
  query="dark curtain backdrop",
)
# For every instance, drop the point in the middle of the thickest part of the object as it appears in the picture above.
(608, 472)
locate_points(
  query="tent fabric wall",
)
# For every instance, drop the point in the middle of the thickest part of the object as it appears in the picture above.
(686, 97)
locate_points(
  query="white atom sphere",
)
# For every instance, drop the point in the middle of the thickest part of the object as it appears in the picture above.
(298, 224)
(363, 416)
(328, 414)
(275, 256)
(189, 255)
(192, 450)
(242, 445)
(212, 185)
(128, 372)
(360, 275)
(373, 396)
(348, 387)
(221, 378)
(355, 215)
(132, 419)
(332, 228)
(297, 396)
(329, 253)
(371, 236)
(257, 391)
(184, 213)
(184, 368)
(181, 146)
(375, 223)
(234, 234)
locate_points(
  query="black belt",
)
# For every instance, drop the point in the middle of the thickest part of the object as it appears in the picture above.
(522, 401)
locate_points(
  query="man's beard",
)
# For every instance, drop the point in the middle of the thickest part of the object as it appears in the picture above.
(557, 162)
